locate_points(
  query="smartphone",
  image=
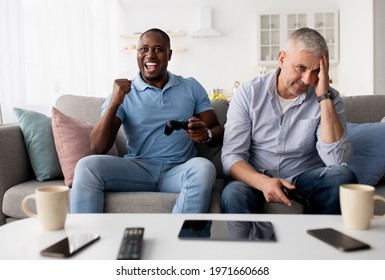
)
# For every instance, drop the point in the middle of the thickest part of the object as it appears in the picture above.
(338, 239)
(70, 245)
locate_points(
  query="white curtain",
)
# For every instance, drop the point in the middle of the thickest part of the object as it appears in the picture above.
(53, 47)
(11, 69)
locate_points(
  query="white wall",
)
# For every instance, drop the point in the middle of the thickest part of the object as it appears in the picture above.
(355, 70)
(379, 46)
(218, 62)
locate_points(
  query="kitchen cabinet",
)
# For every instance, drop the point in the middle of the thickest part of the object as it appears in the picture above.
(275, 28)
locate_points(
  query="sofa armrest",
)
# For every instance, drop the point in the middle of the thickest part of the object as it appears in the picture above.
(15, 166)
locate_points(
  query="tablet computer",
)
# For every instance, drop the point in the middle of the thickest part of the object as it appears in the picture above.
(227, 230)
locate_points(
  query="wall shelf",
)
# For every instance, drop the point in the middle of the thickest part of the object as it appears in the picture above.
(135, 35)
(132, 50)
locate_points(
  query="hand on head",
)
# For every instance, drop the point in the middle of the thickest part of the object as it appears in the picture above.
(322, 86)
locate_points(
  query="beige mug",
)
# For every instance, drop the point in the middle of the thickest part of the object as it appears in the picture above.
(357, 205)
(52, 204)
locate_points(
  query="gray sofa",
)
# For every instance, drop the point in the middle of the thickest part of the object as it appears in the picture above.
(17, 178)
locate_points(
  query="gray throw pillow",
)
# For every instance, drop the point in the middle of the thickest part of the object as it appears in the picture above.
(38, 138)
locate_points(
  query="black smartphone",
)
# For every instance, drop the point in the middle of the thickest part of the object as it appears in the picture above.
(70, 245)
(338, 239)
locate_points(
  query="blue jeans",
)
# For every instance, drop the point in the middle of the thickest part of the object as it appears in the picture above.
(96, 174)
(320, 186)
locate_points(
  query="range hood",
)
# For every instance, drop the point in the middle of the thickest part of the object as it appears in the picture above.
(206, 29)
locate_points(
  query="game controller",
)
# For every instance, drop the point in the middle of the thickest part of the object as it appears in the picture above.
(296, 196)
(174, 125)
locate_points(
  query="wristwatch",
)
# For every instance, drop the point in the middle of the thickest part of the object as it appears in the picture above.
(328, 95)
(209, 136)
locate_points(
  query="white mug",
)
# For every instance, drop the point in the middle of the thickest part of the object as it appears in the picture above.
(52, 204)
(357, 205)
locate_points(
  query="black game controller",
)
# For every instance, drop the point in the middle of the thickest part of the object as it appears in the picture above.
(296, 196)
(174, 125)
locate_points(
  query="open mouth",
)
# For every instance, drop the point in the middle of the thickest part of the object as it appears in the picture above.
(151, 66)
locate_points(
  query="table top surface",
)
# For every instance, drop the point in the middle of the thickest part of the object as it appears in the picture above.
(24, 239)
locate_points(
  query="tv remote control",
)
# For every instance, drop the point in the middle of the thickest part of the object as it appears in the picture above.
(130, 248)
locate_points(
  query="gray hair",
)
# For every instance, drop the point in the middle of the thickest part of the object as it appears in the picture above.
(309, 40)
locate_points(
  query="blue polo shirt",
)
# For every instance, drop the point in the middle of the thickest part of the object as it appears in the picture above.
(146, 109)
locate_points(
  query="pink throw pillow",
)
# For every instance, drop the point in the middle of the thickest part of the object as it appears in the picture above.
(72, 141)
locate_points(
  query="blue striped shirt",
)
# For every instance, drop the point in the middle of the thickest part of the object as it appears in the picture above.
(276, 144)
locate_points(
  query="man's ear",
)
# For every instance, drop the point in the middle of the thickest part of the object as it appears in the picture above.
(169, 55)
(281, 58)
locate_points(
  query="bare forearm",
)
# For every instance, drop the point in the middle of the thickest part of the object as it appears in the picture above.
(208, 120)
(270, 187)
(103, 135)
(244, 172)
(217, 140)
(331, 127)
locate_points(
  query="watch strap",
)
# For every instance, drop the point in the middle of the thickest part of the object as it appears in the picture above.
(328, 95)
(209, 136)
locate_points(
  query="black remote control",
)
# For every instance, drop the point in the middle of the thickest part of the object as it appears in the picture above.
(131, 246)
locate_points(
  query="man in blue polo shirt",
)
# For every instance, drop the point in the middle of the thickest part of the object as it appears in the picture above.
(154, 161)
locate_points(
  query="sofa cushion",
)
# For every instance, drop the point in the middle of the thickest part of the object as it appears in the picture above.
(368, 161)
(72, 141)
(13, 196)
(38, 138)
(154, 202)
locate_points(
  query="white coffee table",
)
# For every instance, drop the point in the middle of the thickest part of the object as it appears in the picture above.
(23, 240)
